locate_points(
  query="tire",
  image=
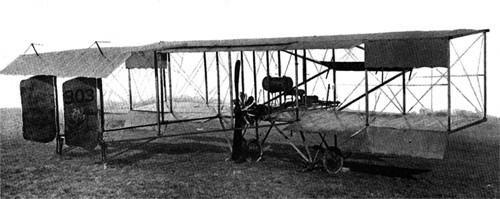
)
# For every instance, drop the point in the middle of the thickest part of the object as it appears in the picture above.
(253, 151)
(333, 160)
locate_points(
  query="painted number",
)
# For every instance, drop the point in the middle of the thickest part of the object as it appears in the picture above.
(78, 96)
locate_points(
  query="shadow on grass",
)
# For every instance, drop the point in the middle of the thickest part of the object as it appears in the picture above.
(383, 170)
(121, 154)
(285, 152)
(130, 153)
(206, 139)
(275, 150)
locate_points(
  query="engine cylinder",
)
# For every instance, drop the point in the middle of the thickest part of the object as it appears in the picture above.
(277, 84)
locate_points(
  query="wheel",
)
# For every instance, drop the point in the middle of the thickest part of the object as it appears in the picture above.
(253, 151)
(333, 160)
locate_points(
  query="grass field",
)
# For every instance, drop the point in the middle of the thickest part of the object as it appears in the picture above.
(195, 166)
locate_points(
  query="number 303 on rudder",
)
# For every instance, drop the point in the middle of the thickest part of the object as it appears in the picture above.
(78, 96)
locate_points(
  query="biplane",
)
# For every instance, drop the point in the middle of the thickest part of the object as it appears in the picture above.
(394, 93)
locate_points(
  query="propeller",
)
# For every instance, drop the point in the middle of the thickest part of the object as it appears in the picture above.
(236, 83)
(246, 112)
(239, 121)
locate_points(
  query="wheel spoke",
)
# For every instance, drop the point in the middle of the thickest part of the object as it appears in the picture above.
(333, 160)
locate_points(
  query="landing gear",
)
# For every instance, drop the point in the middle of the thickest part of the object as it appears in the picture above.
(329, 159)
(253, 151)
(59, 145)
(104, 152)
(332, 160)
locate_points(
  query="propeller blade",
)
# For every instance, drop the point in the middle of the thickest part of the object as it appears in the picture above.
(237, 80)
(239, 118)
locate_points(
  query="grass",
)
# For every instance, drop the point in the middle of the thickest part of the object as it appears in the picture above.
(195, 167)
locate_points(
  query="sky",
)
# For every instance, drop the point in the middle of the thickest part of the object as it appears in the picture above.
(66, 24)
